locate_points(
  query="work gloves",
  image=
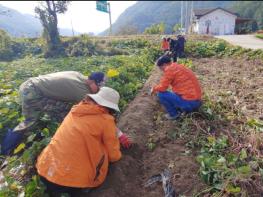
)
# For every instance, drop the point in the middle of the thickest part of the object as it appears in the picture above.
(10, 142)
(125, 140)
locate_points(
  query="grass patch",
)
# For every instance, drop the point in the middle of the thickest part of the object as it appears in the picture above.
(259, 36)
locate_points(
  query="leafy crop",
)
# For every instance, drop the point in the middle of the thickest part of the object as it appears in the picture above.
(226, 165)
(223, 169)
(219, 48)
(127, 73)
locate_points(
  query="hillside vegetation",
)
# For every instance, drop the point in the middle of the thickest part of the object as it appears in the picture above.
(250, 9)
(145, 13)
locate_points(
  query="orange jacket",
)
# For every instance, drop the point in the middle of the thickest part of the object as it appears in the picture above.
(165, 45)
(182, 80)
(79, 152)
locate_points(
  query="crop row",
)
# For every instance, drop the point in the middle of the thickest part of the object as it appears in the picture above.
(130, 73)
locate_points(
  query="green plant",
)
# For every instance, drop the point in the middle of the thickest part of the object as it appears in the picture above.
(259, 36)
(133, 70)
(5, 46)
(219, 48)
(221, 169)
(155, 29)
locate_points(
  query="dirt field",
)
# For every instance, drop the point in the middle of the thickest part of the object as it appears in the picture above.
(239, 83)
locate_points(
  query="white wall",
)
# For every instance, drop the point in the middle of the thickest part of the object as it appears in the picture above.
(222, 23)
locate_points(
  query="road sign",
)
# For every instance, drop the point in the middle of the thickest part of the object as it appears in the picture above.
(102, 6)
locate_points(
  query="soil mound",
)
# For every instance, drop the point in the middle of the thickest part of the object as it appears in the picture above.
(143, 119)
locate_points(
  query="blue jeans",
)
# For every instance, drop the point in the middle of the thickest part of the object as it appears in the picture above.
(174, 103)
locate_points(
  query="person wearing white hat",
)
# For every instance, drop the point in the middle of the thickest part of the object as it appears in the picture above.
(79, 153)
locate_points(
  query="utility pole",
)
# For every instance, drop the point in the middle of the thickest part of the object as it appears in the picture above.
(182, 3)
(186, 17)
(191, 15)
(110, 19)
(72, 27)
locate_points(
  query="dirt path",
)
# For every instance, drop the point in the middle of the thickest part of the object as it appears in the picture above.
(239, 81)
(245, 41)
(143, 120)
(125, 176)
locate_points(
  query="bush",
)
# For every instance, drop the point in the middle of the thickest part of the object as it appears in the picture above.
(5, 46)
(219, 48)
(259, 36)
(155, 29)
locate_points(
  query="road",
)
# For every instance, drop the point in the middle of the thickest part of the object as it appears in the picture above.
(245, 41)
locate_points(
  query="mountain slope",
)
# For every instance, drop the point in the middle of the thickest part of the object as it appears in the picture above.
(145, 13)
(23, 25)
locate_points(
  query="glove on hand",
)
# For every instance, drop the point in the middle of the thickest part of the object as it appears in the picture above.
(125, 141)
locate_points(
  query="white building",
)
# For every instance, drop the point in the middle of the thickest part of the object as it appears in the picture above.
(217, 21)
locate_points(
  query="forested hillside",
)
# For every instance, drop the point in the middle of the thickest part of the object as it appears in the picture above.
(250, 9)
(135, 18)
(145, 13)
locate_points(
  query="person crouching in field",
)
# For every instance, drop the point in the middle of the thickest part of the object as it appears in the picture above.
(79, 153)
(53, 94)
(186, 91)
(164, 45)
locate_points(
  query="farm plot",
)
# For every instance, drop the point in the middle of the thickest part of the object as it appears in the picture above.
(213, 152)
(126, 73)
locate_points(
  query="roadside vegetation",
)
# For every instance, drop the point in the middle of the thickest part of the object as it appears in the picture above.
(259, 36)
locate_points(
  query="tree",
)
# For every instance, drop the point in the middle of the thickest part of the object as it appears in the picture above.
(47, 12)
(155, 29)
(250, 9)
(177, 28)
(127, 30)
(162, 27)
(5, 46)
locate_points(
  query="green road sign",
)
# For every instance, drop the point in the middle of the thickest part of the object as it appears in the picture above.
(102, 6)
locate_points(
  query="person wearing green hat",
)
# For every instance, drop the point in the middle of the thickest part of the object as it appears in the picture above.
(53, 94)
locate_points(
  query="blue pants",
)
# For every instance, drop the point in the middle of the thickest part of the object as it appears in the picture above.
(174, 103)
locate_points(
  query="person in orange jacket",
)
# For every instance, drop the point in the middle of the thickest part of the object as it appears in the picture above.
(164, 45)
(79, 153)
(186, 91)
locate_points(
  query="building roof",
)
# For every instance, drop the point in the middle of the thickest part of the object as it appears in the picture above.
(201, 12)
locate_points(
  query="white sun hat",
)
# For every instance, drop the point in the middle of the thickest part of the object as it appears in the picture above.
(107, 97)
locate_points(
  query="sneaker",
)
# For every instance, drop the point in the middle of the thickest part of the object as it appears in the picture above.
(167, 116)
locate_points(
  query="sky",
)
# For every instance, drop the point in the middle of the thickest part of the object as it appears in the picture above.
(82, 14)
